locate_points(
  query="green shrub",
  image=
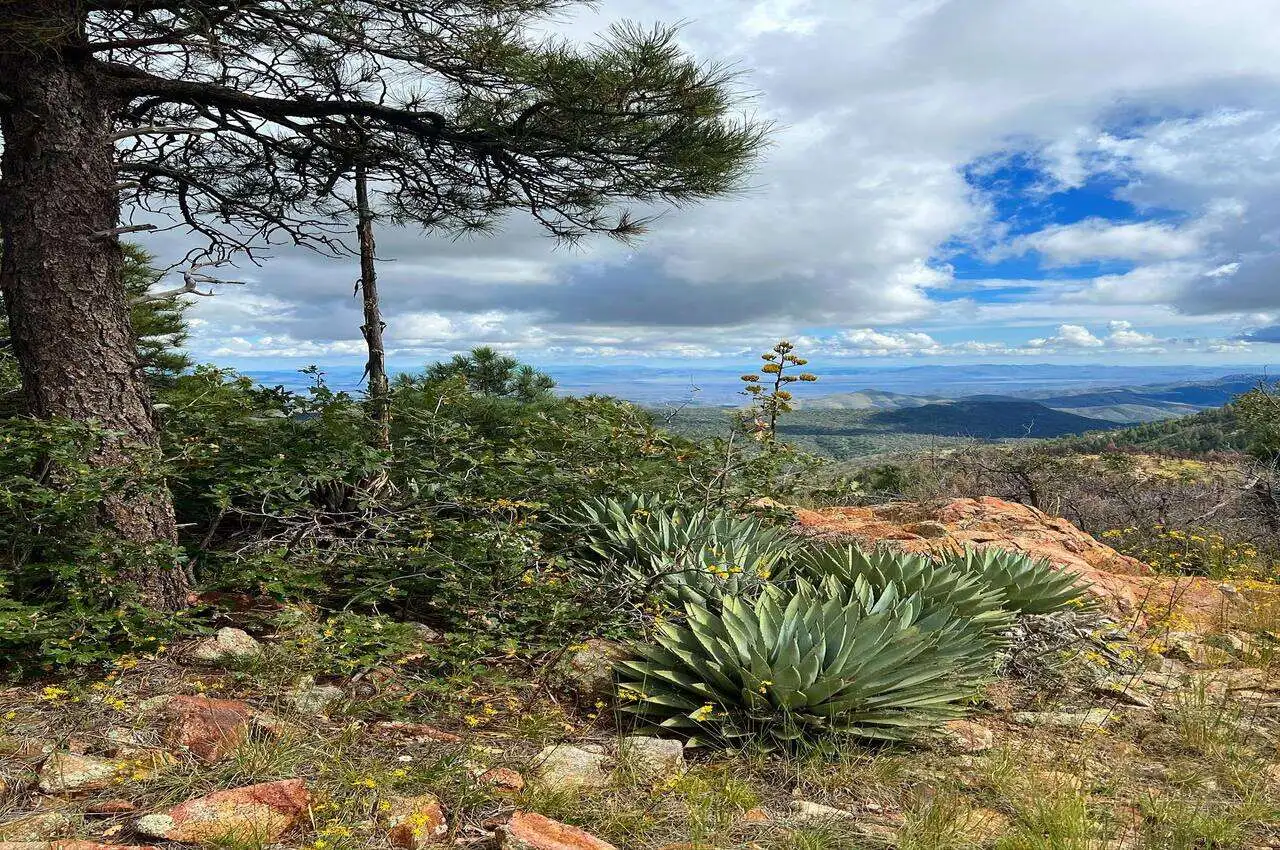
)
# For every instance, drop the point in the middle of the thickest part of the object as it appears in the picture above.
(644, 547)
(1029, 585)
(798, 662)
(1194, 552)
(454, 526)
(62, 600)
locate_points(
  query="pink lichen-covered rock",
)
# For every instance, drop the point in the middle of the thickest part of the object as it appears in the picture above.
(258, 813)
(210, 729)
(529, 831)
(502, 779)
(415, 822)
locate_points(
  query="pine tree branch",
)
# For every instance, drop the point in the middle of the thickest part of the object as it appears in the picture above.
(191, 279)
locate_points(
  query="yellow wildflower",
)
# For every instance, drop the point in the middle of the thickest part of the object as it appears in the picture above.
(703, 713)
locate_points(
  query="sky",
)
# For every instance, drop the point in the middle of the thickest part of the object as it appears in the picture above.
(950, 181)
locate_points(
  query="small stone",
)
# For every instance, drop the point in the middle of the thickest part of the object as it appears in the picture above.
(927, 529)
(70, 773)
(210, 729)
(310, 698)
(1164, 681)
(1124, 693)
(652, 758)
(589, 670)
(565, 766)
(227, 644)
(415, 822)
(41, 826)
(967, 736)
(502, 779)
(117, 806)
(259, 812)
(529, 831)
(810, 812)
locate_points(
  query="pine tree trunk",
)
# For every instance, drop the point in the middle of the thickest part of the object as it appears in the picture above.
(62, 286)
(379, 389)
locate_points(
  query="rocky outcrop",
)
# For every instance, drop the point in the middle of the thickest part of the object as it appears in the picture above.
(1130, 588)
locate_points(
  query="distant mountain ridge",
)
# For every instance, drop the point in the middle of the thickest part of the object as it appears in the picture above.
(1114, 405)
(988, 418)
(867, 400)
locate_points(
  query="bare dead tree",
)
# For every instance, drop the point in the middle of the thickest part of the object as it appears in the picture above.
(227, 116)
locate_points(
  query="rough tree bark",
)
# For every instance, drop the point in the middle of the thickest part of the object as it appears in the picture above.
(379, 390)
(61, 275)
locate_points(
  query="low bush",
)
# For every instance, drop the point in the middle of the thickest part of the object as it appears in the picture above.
(1194, 552)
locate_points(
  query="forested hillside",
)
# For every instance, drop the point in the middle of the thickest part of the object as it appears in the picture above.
(1208, 431)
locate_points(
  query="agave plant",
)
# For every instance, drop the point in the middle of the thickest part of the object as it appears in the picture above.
(642, 546)
(798, 661)
(978, 606)
(939, 585)
(1029, 585)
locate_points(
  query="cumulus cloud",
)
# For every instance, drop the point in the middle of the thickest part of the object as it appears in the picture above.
(1069, 336)
(1068, 340)
(1099, 239)
(1120, 335)
(853, 216)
